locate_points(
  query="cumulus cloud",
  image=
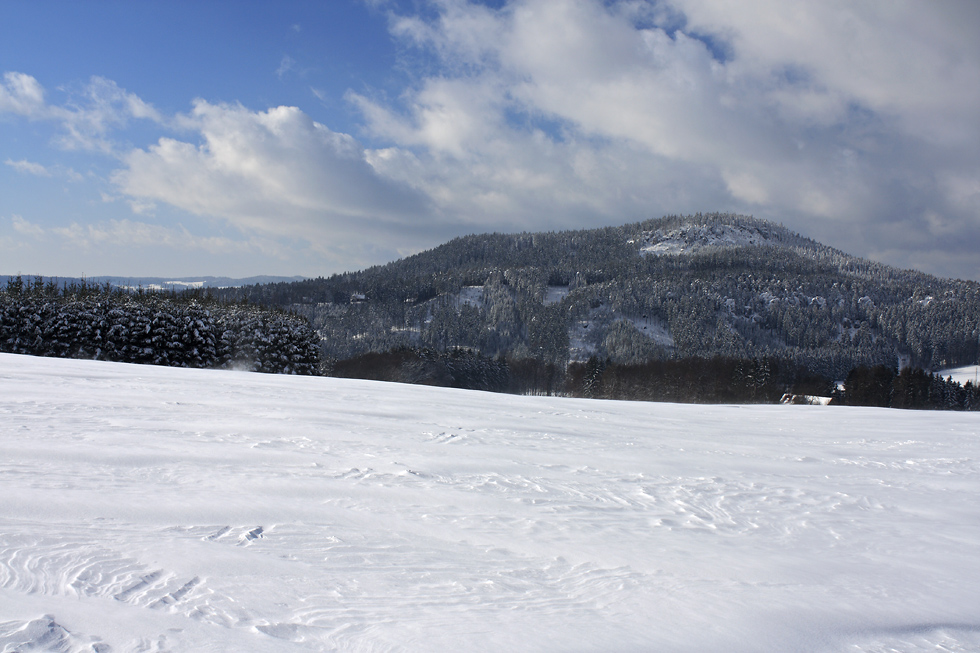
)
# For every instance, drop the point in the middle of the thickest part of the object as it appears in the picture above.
(21, 94)
(274, 172)
(916, 63)
(853, 123)
(848, 122)
(292, 186)
(570, 106)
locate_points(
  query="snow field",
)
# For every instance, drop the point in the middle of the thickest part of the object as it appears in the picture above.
(962, 375)
(161, 509)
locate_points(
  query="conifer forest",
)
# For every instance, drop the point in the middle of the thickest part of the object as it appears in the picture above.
(709, 307)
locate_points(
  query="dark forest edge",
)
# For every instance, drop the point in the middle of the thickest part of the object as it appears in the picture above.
(689, 380)
(193, 328)
(186, 329)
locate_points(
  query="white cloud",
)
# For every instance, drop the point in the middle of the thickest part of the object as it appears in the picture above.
(561, 111)
(746, 187)
(134, 234)
(25, 228)
(130, 234)
(285, 65)
(87, 118)
(804, 113)
(39, 170)
(98, 109)
(140, 207)
(28, 167)
(855, 123)
(274, 172)
(124, 233)
(21, 94)
(913, 61)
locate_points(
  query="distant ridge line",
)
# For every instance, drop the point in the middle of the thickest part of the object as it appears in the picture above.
(166, 283)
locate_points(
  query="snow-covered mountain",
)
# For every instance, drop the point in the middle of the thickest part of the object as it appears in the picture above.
(161, 509)
(700, 286)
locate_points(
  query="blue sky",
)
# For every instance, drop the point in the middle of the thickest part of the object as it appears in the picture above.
(193, 138)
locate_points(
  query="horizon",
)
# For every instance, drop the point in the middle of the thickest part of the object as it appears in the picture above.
(142, 140)
(271, 278)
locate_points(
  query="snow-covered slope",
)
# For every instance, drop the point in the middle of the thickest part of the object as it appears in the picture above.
(690, 239)
(162, 509)
(962, 375)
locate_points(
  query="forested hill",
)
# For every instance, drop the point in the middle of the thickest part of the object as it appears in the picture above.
(703, 285)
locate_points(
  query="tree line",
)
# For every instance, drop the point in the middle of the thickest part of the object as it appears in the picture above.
(187, 329)
(194, 329)
(683, 380)
(883, 386)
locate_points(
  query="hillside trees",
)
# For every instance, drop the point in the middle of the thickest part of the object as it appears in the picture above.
(720, 285)
(691, 380)
(911, 388)
(150, 328)
(457, 368)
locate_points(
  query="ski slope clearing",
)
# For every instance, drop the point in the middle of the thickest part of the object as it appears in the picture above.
(962, 375)
(161, 509)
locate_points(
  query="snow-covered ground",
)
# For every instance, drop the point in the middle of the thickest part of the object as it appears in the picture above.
(554, 294)
(963, 374)
(585, 336)
(160, 509)
(469, 296)
(653, 329)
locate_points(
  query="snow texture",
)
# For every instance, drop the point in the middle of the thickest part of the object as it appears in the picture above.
(691, 239)
(585, 336)
(163, 509)
(581, 342)
(653, 329)
(554, 294)
(469, 296)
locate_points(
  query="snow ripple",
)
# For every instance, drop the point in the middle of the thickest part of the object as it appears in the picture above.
(72, 565)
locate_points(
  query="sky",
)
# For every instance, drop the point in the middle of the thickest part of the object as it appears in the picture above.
(307, 138)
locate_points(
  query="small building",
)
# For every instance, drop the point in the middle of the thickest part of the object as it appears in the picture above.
(805, 400)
